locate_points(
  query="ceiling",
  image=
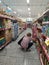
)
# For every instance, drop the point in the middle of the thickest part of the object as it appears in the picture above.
(21, 7)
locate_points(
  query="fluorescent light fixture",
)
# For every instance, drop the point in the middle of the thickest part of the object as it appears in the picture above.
(9, 8)
(28, 9)
(0, 1)
(28, 1)
(14, 12)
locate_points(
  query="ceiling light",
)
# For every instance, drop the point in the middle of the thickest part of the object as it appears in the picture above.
(14, 12)
(28, 9)
(0, 1)
(9, 8)
(28, 1)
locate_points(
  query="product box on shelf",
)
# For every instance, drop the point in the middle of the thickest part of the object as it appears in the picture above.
(1, 24)
(8, 35)
(14, 30)
(7, 23)
(2, 41)
(47, 42)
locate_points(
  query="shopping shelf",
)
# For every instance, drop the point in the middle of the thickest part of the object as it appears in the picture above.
(5, 16)
(4, 45)
(45, 51)
(2, 29)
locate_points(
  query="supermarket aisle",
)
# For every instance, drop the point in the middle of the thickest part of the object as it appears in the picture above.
(13, 55)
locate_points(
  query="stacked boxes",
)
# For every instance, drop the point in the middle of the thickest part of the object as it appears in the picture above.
(14, 30)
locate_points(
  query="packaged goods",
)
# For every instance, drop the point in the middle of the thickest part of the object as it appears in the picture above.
(2, 41)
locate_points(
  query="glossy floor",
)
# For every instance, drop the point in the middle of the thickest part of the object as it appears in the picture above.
(13, 55)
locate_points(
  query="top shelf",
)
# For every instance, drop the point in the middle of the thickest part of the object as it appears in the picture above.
(45, 22)
(5, 16)
(45, 13)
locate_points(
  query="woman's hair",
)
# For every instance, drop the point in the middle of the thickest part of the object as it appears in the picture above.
(28, 34)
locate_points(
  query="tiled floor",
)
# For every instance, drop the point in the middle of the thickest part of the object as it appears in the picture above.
(13, 55)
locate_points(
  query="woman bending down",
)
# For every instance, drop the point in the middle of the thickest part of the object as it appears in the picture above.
(27, 41)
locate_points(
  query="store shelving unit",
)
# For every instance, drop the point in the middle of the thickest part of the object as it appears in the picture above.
(42, 47)
(5, 30)
(5, 16)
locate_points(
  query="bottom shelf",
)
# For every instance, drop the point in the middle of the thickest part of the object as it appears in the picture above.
(40, 56)
(5, 45)
(41, 60)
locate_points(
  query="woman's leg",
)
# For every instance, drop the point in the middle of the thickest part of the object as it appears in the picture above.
(30, 44)
(19, 42)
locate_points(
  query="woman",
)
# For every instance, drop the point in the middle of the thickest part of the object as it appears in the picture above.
(27, 41)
